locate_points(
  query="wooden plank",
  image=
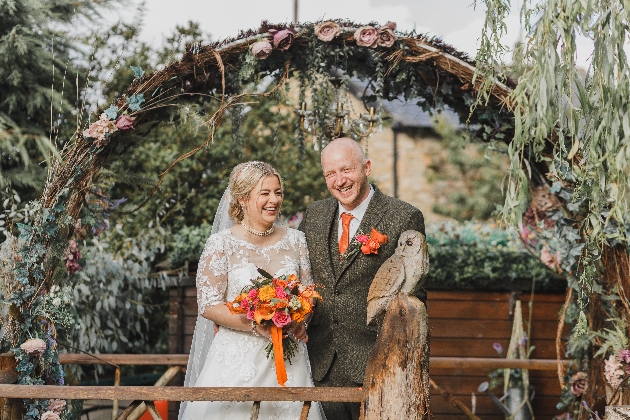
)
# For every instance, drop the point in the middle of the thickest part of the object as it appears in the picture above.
(478, 295)
(464, 386)
(481, 347)
(171, 393)
(467, 328)
(124, 359)
(450, 363)
(488, 310)
(492, 363)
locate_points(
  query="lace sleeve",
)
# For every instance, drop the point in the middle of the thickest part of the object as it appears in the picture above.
(212, 274)
(306, 275)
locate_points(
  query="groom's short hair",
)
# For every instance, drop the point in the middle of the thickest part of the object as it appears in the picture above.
(358, 150)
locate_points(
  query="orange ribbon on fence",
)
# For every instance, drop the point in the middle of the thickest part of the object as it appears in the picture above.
(278, 354)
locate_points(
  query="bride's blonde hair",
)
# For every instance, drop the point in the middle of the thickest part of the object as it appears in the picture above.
(243, 179)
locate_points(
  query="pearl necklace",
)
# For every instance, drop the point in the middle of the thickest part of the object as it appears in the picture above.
(256, 232)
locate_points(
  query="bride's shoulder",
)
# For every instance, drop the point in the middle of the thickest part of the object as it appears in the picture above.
(295, 235)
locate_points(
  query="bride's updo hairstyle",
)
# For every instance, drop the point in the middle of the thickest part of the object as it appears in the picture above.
(243, 180)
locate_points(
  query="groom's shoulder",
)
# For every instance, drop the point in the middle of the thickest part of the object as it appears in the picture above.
(318, 206)
(406, 214)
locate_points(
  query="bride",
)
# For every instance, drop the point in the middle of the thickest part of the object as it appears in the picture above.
(235, 356)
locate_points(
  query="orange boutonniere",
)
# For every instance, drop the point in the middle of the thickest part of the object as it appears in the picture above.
(368, 244)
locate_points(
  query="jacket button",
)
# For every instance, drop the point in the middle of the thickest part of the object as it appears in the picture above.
(337, 292)
(336, 322)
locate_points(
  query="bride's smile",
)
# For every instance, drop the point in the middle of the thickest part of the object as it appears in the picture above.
(263, 205)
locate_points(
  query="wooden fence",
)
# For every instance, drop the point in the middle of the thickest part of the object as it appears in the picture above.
(378, 369)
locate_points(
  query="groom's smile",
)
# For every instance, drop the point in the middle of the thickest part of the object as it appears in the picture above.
(346, 173)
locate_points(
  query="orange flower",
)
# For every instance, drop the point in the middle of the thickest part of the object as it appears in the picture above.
(238, 309)
(266, 293)
(263, 313)
(374, 243)
(297, 316)
(281, 303)
(309, 292)
(280, 283)
(235, 310)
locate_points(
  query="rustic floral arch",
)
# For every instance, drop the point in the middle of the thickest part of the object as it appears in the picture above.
(410, 66)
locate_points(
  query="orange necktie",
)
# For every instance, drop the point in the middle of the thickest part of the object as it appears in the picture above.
(345, 233)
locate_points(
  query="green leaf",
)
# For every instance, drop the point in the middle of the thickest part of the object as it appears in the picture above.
(137, 71)
(265, 274)
(112, 112)
(134, 101)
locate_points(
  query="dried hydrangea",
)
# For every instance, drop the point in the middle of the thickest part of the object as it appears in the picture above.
(34, 346)
(100, 130)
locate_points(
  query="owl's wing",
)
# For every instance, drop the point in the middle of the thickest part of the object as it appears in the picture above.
(386, 284)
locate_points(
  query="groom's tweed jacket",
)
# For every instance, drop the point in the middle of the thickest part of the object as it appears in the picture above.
(339, 322)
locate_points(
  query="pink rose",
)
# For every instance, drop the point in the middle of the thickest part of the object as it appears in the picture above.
(125, 122)
(252, 294)
(386, 35)
(366, 36)
(250, 315)
(326, 31)
(34, 346)
(551, 261)
(363, 238)
(624, 355)
(280, 293)
(282, 39)
(56, 405)
(261, 49)
(281, 318)
(244, 303)
(50, 415)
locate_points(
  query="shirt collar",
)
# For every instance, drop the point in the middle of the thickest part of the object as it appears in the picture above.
(359, 211)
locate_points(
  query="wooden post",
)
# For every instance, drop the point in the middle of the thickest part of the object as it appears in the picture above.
(10, 409)
(115, 402)
(397, 374)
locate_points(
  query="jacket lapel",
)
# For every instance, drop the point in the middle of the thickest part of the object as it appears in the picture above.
(325, 231)
(373, 214)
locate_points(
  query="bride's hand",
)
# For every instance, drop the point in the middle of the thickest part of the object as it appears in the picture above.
(264, 330)
(298, 329)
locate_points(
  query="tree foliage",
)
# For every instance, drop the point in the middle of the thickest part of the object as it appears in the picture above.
(574, 123)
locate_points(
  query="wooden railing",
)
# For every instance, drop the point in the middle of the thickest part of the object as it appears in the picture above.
(412, 331)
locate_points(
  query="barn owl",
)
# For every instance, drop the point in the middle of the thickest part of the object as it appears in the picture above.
(404, 272)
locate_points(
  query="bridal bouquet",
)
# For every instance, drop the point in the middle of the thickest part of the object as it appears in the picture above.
(276, 301)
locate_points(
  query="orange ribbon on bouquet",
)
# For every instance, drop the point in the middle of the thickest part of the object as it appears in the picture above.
(278, 354)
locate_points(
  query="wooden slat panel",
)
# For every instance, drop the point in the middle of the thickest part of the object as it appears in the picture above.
(171, 393)
(467, 328)
(482, 347)
(476, 296)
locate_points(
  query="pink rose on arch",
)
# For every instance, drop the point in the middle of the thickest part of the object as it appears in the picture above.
(280, 293)
(281, 319)
(551, 261)
(34, 346)
(56, 405)
(326, 31)
(50, 415)
(386, 35)
(261, 49)
(283, 39)
(363, 239)
(125, 122)
(366, 36)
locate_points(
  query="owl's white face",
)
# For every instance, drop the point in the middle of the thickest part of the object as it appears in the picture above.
(410, 243)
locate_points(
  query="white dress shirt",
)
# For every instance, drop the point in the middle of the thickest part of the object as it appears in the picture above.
(357, 215)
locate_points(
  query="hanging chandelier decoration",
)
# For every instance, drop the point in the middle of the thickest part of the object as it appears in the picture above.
(342, 125)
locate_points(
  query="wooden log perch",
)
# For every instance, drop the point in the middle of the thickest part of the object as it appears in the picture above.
(397, 374)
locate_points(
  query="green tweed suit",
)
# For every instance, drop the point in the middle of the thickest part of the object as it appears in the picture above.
(340, 341)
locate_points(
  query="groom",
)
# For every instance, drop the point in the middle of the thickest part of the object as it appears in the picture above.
(340, 342)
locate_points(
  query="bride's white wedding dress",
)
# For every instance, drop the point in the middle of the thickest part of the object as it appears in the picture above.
(237, 358)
